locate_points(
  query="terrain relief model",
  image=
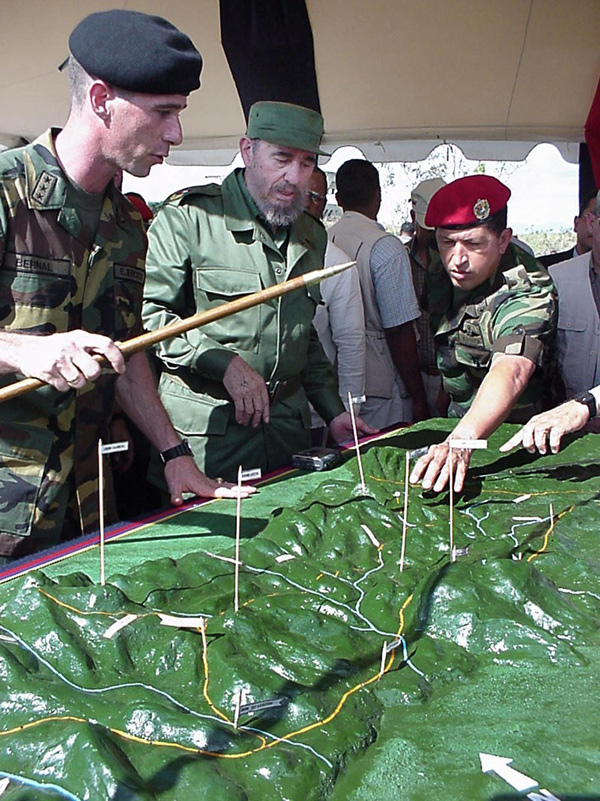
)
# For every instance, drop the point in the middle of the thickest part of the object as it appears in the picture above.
(367, 660)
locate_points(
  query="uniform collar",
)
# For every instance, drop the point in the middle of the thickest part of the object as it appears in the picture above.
(47, 185)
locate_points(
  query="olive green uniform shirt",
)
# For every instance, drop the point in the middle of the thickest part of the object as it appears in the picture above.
(208, 245)
(514, 312)
(55, 276)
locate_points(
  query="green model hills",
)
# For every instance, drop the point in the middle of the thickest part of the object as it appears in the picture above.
(379, 682)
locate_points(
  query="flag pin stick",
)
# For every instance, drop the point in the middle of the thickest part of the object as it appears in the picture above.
(101, 508)
(383, 656)
(111, 447)
(551, 517)
(405, 520)
(203, 632)
(351, 402)
(452, 551)
(236, 714)
(238, 523)
(457, 444)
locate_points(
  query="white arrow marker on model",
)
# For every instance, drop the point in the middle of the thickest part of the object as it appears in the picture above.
(501, 767)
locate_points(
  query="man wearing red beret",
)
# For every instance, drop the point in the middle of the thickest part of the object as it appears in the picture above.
(493, 308)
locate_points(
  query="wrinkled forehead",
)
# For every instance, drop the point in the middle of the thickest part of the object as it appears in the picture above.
(273, 148)
(478, 233)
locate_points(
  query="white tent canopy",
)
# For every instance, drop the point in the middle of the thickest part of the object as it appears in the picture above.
(395, 78)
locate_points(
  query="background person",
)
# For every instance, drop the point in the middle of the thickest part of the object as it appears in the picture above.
(339, 317)
(393, 387)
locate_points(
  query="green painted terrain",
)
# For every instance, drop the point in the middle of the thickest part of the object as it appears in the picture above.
(498, 652)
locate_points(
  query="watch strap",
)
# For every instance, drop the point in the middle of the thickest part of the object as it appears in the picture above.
(588, 400)
(183, 449)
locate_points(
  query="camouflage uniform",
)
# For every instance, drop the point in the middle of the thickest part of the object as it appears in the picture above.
(208, 245)
(52, 280)
(514, 312)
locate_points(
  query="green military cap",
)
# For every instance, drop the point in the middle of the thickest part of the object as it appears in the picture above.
(286, 124)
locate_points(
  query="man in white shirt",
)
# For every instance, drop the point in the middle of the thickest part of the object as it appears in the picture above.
(394, 386)
(339, 318)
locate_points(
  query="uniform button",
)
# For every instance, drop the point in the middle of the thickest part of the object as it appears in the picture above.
(278, 270)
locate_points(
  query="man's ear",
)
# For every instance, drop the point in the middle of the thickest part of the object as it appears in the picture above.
(100, 94)
(504, 239)
(246, 149)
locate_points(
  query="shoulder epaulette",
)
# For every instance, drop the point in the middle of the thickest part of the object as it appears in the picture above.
(209, 190)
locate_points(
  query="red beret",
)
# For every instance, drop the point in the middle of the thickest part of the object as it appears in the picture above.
(466, 202)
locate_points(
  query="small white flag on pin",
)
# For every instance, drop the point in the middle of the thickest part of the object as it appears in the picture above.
(250, 475)
(120, 624)
(358, 399)
(471, 444)
(181, 622)
(115, 447)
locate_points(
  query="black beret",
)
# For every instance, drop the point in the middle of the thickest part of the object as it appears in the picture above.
(136, 51)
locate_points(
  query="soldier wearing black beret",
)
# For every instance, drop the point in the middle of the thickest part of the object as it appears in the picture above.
(72, 265)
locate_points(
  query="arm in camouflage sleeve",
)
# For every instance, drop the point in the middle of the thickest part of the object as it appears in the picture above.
(62, 360)
(499, 390)
(169, 296)
(519, 329)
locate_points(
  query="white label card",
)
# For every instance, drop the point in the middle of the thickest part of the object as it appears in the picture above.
(115, 447)
(249, 475)
(181, 622)
(471, 444)
(120, 624)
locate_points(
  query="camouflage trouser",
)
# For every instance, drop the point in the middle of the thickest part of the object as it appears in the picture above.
(55, 529)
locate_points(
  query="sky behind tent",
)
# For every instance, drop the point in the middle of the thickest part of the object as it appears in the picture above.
(544, 187)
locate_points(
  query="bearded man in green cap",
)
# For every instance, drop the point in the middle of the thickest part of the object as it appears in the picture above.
(238, 389)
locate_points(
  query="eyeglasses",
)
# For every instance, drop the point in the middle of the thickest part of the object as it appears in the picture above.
(315, 196)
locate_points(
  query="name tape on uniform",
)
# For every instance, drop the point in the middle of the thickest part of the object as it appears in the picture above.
(115, 447)
(249, 475)
(471, 444)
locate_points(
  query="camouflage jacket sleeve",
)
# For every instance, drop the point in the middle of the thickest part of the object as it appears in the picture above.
(525, 320)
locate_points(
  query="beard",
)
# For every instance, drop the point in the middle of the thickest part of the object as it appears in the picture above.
(277, 214)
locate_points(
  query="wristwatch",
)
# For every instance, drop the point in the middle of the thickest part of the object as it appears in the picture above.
(183, 449)
(588, 400)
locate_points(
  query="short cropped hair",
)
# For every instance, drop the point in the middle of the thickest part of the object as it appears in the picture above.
(79, 82)
(356, 181)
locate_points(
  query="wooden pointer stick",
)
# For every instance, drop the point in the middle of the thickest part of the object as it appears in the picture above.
(144, 341)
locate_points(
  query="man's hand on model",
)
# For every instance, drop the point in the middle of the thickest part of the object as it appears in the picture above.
(434, 467)
(248, 392)
(548, 428)
(341, 430)
(183, 476)
(65, 361)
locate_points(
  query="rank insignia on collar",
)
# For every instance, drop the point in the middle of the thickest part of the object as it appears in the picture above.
(44, 188)
(481, 209)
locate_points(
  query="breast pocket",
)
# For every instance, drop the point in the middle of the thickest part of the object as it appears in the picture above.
(570, 343)
(34, 303)
(215, 287)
